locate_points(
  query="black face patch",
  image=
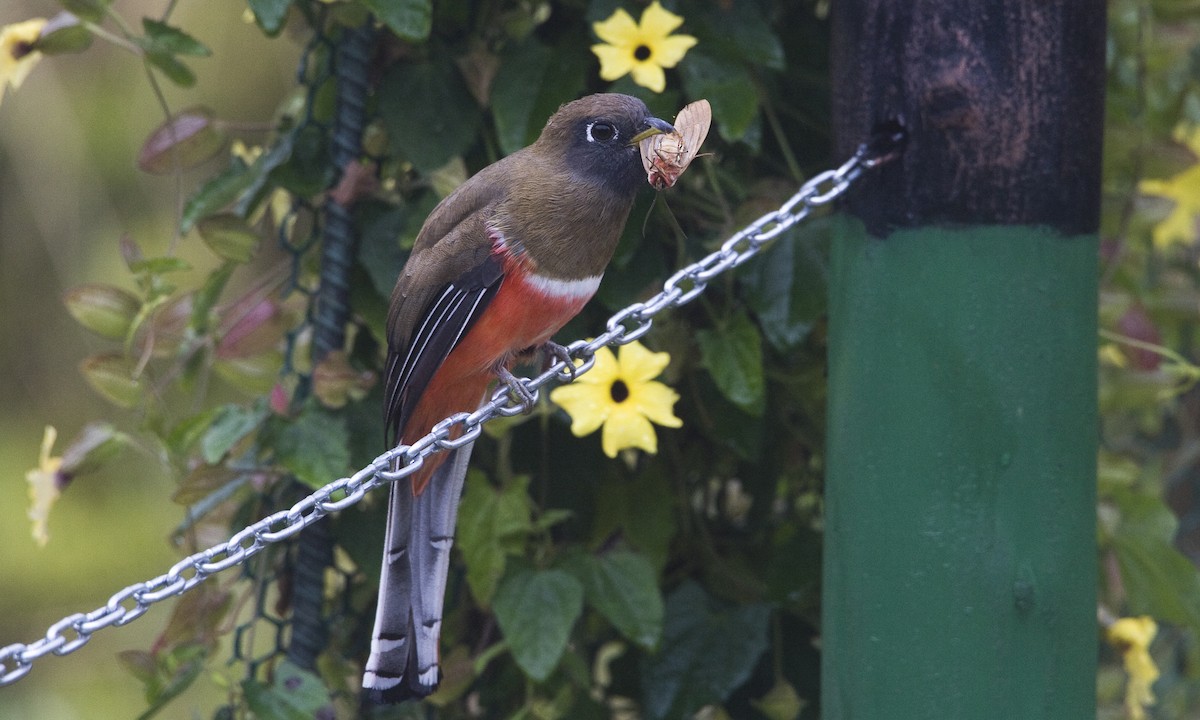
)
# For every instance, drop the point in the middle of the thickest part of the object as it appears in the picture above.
(600, 151)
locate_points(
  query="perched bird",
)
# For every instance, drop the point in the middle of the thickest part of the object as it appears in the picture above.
(501, 264)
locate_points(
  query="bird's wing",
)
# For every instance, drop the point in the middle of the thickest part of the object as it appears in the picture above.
(447, 284)
(443, 323)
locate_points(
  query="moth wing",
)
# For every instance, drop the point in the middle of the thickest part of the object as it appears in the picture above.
(693, 123)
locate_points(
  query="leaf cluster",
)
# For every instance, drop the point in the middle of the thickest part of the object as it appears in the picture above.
(1149, 300)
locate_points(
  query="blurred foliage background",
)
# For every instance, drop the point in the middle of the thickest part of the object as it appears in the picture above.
(693, 574)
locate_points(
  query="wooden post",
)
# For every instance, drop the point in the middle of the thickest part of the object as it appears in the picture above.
(960, 560)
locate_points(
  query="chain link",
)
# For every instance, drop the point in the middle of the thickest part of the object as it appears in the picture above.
(627, 325)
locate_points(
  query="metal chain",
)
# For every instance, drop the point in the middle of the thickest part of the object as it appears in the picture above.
(74, 631)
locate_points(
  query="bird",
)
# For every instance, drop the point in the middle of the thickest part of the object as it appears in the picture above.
(499, 266)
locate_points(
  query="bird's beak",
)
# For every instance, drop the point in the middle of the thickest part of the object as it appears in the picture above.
(654, 126)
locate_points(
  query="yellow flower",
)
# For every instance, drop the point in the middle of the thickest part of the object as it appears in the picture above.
(621, 394)
(17, 56)
(45, 485)
(1132, 636)
(642, 48)
(1184, 188)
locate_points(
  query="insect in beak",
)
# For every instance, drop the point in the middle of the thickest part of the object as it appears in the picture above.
(667, 154)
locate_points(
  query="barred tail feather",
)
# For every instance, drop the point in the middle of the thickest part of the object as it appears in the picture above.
(408, 620)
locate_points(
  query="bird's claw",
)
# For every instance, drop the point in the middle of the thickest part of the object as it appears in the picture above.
(517, 389)
(554, 351)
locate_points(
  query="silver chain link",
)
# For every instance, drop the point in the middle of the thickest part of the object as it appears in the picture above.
(627, 325)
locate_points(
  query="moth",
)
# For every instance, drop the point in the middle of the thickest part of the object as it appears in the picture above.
(666, 156)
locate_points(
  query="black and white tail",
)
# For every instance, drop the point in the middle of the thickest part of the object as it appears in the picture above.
(416, 558)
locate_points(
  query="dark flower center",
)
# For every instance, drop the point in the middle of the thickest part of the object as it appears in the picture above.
(641, 53)
(619, 391)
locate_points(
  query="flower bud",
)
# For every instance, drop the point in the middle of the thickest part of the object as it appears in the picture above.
(185, 140)
(96, 444)
(229, 236)
(255, 375)
(111, 375)
(105, 310)
(63, 34)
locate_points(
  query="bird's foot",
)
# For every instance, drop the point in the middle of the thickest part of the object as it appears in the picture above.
(516, 388)
(552, 351)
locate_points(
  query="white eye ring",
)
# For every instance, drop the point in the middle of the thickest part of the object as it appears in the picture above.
(615, 134)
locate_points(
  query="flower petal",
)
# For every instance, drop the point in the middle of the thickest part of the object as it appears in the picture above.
(615, 62)
(649, 76)
(626, 429)
(604, 372)
(657, 21)
(588, 405)
(43, 487)
(22, 68)
(669, 51)
(656, 401)
(15, 59)
(618, 29)
(639, 364)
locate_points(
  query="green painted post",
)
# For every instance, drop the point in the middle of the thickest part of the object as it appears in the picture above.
(960, 562)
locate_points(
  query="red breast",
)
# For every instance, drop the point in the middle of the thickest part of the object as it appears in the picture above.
(526, 312)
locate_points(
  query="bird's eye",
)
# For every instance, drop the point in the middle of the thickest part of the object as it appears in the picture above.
(601, 131)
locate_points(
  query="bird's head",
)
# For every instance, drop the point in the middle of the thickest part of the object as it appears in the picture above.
(597, 138)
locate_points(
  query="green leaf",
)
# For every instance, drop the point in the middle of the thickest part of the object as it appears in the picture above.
(296, 694)
(90, 10)
(190, 430)
(533, 80)
(707, 652)
(175, 672)
(733, 357)
(411, 20)
(793, 572)
(515, 92)
(624, 587)
(229, 236)
(174, 70)
(379, 250)
(270, 14)
(1160, 581)
(727, 87)
(489, 520)
(786, 289)
(206, 297)
(536, 611)
(315, 446)
(550, 518)
(171, 40)
(741, 33)
(429, 114)
(298, 162)
(229, 426)
(216, 194)
(731, 426)
(640, 510)
(159, 266)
